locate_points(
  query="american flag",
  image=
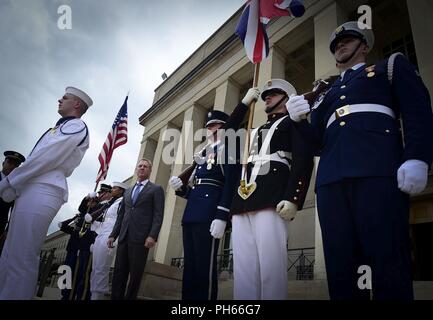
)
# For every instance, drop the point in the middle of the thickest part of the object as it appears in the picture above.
(251, 27)
(117, 136)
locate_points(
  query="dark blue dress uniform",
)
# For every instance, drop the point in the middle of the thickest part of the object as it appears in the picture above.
(209, 198)
(6, 207)
(363, 215)
(78, 256)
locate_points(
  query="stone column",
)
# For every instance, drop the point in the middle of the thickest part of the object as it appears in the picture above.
(272, 67)
(324, 24)
(170, 237)
(420, 13)
(227, 96)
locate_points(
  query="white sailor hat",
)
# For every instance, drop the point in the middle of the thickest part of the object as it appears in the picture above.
(80, 94)
(351, 29)
(120, 185)
(277, 85)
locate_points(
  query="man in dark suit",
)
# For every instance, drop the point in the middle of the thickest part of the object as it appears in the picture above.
(366, 172)
(12, 160)
(137, 227)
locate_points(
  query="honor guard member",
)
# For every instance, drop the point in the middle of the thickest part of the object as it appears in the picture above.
(40, 189)
(207, 209)
(78, 249)
(87, 233)
(102, 255)
(269, 194)
(12, 160)
(366, 172)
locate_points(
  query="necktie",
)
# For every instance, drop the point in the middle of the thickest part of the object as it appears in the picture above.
(347, 75)
(136, 192)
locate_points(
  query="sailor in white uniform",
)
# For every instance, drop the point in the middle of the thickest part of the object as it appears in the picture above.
(103, 255)
(40, 189)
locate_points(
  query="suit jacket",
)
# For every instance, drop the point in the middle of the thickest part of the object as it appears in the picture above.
(136, 222)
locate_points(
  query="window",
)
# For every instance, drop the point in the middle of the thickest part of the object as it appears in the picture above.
(404, 45)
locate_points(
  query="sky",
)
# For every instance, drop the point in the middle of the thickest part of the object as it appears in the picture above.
(112, 47)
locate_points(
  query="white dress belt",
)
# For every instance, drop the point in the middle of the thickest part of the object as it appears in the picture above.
(361, 107)
(280, 156)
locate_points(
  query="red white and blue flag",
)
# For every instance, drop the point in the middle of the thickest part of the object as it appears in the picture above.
(117, 136)
(251, 27)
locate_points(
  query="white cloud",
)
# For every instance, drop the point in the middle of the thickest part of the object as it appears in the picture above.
(113, 47)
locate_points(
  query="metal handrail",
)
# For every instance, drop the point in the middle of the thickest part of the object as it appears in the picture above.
(301, 260)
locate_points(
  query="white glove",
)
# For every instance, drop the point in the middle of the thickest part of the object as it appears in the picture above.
(217, 228)
(297, 107)
(412, 176)
(91, 247)
(175, 182)
(253, 94)
(9, 195)
(88, 218)
(287, 210)
(92, 195)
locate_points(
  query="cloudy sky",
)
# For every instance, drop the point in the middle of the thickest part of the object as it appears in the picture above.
(113, 46)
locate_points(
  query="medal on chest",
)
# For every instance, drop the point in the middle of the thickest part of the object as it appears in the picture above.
(210, 161)
(370, 71)
(53, 130)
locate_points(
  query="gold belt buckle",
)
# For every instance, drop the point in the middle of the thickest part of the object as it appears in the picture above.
(342, 111)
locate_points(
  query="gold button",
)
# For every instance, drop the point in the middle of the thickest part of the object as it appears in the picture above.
(342, 123)
(370, 74)
(387, 131)
(295, 198)
(342, 97)
(275, 169)
(299, 182)
(343, 86)
(199, 167)
(297, 190)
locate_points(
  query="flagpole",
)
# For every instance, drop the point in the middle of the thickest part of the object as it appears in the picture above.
(249, 126)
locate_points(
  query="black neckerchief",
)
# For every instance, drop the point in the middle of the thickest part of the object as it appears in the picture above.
(63, 120)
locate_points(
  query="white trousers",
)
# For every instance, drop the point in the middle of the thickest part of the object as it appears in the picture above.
(102, 259)
(33, 212)
(260, 256)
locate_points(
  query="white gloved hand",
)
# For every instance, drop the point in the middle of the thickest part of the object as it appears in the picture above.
(297, 107)
(217, 228)
(175, 182)
(412, 176)
(287, 210)
(88, 218)
(92, 195)
(253, 94)
(9, 195)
